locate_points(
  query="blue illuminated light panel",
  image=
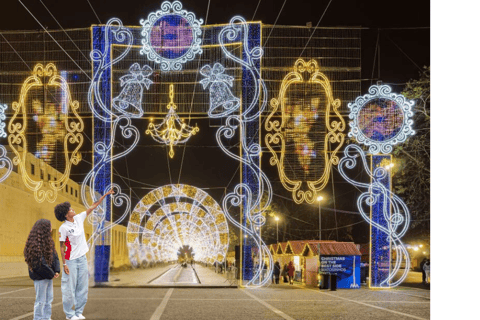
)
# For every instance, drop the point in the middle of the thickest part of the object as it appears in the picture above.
(380, 242)
(102, 132)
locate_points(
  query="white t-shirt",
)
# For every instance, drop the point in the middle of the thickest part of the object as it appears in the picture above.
(73, 234)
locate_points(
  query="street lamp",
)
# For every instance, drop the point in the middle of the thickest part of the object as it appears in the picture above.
(319, 199)
(276, 219)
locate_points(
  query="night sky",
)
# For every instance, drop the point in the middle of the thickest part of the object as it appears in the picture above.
(403, 35)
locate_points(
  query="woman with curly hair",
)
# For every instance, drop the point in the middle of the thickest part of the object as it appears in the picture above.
(43, 266)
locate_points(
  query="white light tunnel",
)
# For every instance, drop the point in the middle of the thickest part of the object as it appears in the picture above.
(174, 216)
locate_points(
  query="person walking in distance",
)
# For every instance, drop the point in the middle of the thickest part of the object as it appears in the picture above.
(276, 271)
(43, 266)
(73, 248)
(291, 272)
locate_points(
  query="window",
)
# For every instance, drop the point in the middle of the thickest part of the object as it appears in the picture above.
(76, 194)
(66, 188)
(41, 174)
(71, 191)
(32, 169)
(49, 177)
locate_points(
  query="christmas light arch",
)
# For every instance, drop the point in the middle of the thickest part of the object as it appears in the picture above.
(171, 216)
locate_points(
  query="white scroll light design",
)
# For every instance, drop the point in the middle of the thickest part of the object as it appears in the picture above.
(172, 216)
(253, 207)
(177, 43)
(398, 104)
(114, 30)
(5, 161)
(222, 100)
(398, 217)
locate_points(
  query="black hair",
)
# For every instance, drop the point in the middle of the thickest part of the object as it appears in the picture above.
(61, 211)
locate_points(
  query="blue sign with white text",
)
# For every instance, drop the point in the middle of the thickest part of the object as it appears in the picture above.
(346, 268)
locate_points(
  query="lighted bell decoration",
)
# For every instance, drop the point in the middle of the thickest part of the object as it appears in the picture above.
(222, 100)
(129, 101)
(172, 130)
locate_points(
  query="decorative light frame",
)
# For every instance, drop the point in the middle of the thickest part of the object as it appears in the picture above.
(3, 107)
(277, 133)
(381, 92)
(172, 130)
(171, 8)
(17, 132)
(244, 195)
(5, 161)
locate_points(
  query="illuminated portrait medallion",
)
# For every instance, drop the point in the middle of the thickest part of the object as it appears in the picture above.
(171, 36)
(381, 119)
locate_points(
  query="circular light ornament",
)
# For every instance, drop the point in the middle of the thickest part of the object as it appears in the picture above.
(171, 36)
(381, 119)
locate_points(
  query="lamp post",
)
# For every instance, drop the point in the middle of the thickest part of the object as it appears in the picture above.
(276, 219)
(319, 199)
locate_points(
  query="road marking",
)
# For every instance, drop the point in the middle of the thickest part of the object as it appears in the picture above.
(370, 305)
(272, 308)
(31, 313)
(412, 295)
(15, 291)
(159, 311)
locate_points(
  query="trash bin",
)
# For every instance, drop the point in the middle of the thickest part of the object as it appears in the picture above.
(333, 282)
(323, 281)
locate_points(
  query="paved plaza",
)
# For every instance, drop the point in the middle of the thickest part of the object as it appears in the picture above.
(281, 301)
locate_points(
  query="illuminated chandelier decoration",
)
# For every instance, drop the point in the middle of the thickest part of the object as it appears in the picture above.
(393, 216)
(172, 130)
(5, 162)
(254, 202)
(381, 119)
(171, 217)
(68, 129)
(314, 142)
(171, 36)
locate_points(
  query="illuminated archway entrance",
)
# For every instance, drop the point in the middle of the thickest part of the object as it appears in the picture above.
(174, 216)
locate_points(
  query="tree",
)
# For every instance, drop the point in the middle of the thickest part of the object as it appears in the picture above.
(412, 159)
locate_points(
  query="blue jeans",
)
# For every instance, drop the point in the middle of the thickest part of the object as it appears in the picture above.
(42, 308)
(75, 286)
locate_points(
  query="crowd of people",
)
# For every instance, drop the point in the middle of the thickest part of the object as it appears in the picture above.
(287, 273)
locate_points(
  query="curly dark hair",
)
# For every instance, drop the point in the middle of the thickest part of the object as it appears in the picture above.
(61, 210)
(39, 243)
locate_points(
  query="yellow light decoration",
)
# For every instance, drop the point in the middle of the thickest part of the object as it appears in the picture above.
(172, 130)
(184, 215)
(299, 126)
(66, 128)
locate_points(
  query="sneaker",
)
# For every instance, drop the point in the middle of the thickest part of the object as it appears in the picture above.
(74, 318)
(80, 316)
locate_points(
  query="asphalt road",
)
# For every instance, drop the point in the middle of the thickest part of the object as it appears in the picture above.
(177, 275)
(273, 302)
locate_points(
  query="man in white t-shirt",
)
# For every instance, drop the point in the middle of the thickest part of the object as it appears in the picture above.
(73, 247)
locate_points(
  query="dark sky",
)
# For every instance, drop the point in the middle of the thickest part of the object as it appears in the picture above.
(402, 29)
(403, 51)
